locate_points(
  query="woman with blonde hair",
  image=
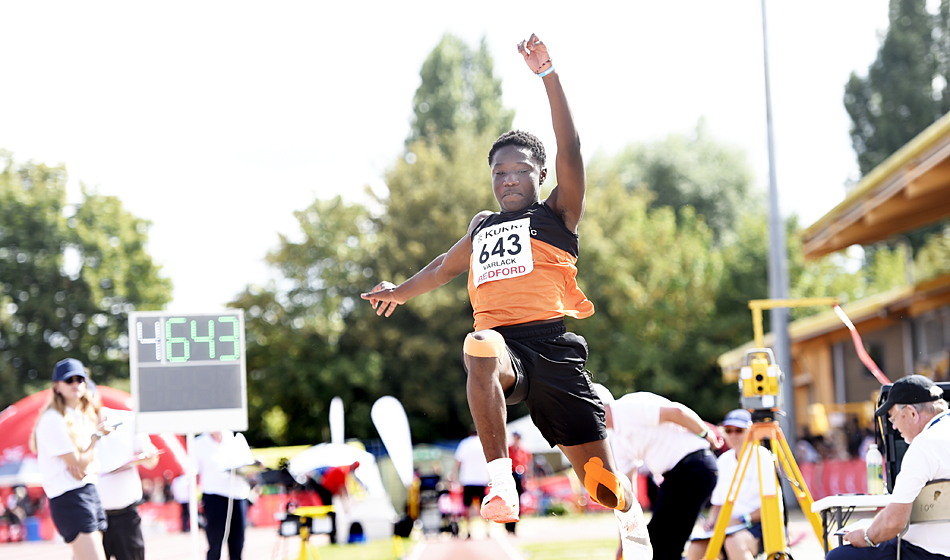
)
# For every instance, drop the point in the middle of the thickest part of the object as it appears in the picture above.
(65, 443)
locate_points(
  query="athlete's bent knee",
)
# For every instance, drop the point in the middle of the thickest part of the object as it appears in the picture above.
(595, 475)
(491, 345)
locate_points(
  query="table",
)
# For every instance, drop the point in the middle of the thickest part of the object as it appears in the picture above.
(842, 506)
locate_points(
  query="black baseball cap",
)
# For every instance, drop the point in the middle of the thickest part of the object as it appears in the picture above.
(67, 368)
(912, 389)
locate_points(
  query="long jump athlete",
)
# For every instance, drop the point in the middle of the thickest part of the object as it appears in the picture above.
(522, 282)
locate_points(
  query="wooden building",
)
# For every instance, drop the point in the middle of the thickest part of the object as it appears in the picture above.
(905, 330)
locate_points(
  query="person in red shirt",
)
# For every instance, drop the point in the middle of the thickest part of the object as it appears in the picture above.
(520, 465)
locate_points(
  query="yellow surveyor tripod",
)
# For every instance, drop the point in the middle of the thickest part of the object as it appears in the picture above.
(774, 545)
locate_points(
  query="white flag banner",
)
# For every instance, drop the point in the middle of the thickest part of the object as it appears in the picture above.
(390, 420)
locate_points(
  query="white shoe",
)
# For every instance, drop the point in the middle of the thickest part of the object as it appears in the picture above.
(634, 538)
(501, 503)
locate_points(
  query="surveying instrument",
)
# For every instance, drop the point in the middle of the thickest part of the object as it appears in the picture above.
(760, 392)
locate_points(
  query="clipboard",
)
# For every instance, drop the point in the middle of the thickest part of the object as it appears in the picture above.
(138, 459)
(859, 524)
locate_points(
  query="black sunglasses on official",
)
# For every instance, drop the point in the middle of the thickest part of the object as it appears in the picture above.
(74, 379)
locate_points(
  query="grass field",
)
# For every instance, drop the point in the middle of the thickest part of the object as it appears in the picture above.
(595, 549)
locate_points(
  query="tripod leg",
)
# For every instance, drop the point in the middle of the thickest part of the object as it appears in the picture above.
(772, 512)
(801, 490)
(725, 513)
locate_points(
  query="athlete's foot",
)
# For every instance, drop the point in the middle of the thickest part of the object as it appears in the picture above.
(501, 504)
(634, 538)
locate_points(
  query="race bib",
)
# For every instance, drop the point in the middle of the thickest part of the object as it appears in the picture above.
(502, 251)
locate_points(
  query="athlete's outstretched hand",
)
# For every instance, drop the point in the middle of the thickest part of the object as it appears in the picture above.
(535, 54)
(382, 298)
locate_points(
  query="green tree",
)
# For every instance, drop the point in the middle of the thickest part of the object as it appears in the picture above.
(69, 274)
(897, 100)
(458, 92)
(906, 90)
(698, 171)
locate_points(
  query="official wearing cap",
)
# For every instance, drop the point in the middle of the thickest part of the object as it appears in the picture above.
(916, 408)
(743, 537)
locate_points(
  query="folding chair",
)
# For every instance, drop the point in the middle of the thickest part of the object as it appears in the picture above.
(931, 506)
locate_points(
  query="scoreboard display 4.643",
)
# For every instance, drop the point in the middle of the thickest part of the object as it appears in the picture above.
(188, 371)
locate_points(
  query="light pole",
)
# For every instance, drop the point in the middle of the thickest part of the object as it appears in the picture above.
(778, 261)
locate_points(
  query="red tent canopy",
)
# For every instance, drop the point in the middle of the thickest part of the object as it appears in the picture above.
(18, 420)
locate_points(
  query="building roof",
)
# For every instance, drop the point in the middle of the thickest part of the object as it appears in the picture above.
(909, 190)
(907, 300)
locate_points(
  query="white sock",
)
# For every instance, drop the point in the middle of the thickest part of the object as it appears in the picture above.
(499, 471)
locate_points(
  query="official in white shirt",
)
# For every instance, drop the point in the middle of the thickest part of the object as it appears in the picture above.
(219, 455)
(120, 487)
(916, 407)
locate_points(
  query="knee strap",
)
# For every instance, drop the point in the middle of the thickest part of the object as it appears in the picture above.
(492, 346)
(595, 474)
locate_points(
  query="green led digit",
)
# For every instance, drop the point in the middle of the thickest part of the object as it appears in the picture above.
(231, 338)
(209, 339)
(169, 340)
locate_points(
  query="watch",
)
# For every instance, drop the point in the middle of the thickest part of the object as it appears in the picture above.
(867, 540)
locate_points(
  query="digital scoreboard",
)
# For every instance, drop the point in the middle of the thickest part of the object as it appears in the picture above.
(188, 371)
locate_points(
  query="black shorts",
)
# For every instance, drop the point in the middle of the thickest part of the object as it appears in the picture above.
(550, 379)
(471, 494)
(77, 511)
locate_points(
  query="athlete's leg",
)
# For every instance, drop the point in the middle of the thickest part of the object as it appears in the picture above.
(490, 375)
(608, 493)
(594, 465)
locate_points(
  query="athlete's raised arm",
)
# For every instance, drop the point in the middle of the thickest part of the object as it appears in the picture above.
(385, 296)
(567, 199)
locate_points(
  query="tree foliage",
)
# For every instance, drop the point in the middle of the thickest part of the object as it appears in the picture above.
(458, 92)
(696, 171)
(673, 245)
(69, 276)
(907, 88)
(898, 98)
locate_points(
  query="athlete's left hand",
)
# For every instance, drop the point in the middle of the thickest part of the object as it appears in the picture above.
(535, 54)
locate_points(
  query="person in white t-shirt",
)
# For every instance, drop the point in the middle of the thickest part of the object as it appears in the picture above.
(120, 487)
(916, 407)
(219, 455)
(65, 443)
(744, 532)
(672, 441)
(472, 469)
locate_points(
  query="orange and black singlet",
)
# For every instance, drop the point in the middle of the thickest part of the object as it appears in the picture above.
(523, 269)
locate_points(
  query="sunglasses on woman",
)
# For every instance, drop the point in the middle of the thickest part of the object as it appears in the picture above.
(74, 379)
(733, 430)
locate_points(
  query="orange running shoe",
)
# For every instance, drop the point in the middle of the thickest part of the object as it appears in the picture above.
(501, 503)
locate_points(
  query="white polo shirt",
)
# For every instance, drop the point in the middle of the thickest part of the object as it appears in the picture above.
(749, 498)
(53, 441)
(119, 486)
(639, 438)
(473, 467)
(927, 458)
(215, 461)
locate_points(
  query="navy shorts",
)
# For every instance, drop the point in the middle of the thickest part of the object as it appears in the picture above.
(550, 379)
(78, 511)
